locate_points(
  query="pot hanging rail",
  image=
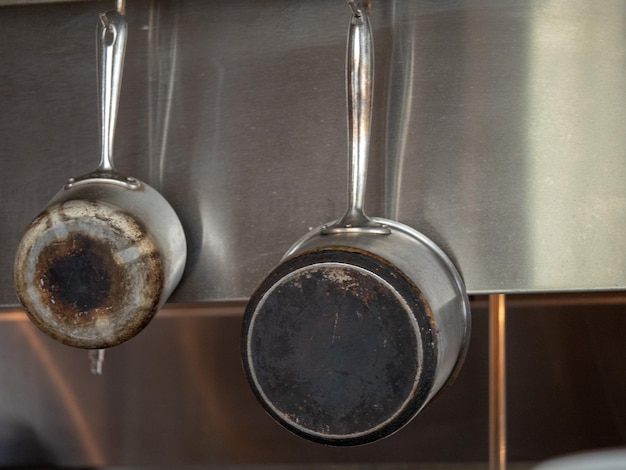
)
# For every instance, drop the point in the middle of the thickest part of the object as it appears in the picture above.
(366, 319)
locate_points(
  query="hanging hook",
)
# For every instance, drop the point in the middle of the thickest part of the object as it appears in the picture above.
(367, 6)
(120, 7)
(104, 20)
(355, 10)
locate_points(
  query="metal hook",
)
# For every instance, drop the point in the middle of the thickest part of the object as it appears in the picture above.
(367, 6)
(355, 10)
(120, 7)
(109, 31)
(105, 21)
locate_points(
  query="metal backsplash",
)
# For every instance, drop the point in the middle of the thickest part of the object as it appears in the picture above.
(498, 130)
(176, 396)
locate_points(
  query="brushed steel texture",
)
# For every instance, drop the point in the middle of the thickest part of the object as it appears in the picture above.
(497, 130)
(176, 395)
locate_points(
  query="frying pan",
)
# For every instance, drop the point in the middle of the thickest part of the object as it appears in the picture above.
(365, 320)
(95, 265)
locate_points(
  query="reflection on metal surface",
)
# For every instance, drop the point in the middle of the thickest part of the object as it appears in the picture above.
(34, 2)
(400, 95)
(576, 65)
(205, 384)
(163, 24)
(61, 385)
(497, 130)
(176, 395)
(497, 382)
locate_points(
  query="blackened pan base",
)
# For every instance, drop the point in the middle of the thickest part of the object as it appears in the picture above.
(338, 346)
(88, 274)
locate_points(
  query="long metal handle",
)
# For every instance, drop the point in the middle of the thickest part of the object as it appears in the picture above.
(360, 85)
(112, 32)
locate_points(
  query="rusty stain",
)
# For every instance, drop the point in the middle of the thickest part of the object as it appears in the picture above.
(88, 275)
(75, 273)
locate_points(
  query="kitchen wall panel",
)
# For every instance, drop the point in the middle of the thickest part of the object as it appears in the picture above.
(176, 395)
(497, 130)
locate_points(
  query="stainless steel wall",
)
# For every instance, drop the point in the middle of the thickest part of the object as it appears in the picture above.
(175, 395)
(498, 133)
(498, 130)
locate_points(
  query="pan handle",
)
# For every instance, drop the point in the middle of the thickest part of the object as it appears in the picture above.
(360, 85)
(111, 34)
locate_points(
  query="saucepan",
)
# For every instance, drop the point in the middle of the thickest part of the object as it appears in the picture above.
(93, 268)
(366, 319)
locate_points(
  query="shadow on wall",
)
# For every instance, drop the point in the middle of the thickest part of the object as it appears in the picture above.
(20, 445)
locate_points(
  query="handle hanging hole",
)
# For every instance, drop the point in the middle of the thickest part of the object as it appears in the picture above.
(108, 31)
